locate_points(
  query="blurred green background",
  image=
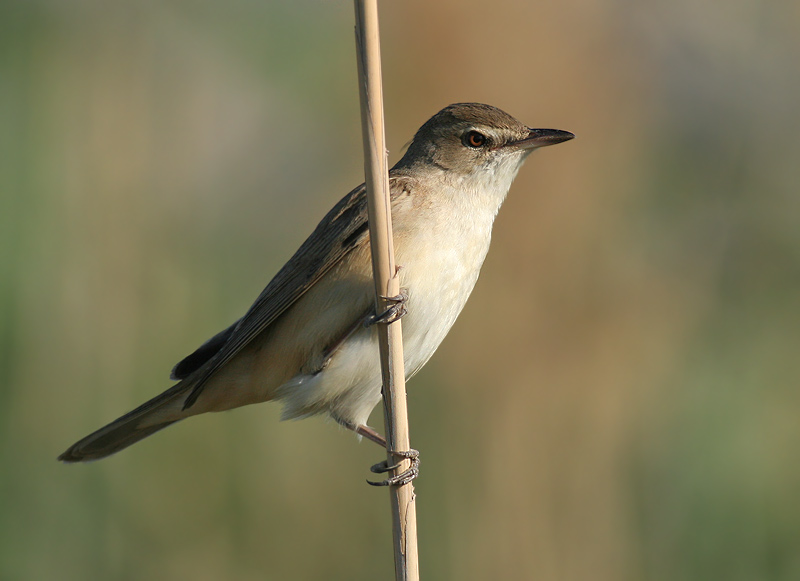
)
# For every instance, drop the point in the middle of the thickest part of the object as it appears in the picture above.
(619, 400)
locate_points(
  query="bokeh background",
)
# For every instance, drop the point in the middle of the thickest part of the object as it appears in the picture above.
(619, 400)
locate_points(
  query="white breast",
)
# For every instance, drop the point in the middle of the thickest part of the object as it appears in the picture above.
(439, 270)
(440, 253)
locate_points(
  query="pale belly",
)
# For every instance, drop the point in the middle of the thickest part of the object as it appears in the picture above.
(439, 279)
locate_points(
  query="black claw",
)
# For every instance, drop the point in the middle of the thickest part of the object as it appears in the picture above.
(383, 467)
(404, 477)
(395, 311)
(400, 480)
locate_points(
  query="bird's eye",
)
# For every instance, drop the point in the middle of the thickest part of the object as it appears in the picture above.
(474, 139)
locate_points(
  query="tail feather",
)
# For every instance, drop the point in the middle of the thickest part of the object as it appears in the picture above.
(150, 417)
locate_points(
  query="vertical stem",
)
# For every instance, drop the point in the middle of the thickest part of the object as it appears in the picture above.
(387, 284)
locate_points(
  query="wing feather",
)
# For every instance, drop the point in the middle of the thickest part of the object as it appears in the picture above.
(340, 231)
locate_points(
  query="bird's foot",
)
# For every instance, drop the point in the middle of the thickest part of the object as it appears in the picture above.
(382, 467)
(396, 310)
(405, 476)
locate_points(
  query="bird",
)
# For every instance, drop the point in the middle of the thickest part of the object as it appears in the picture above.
(309, 341)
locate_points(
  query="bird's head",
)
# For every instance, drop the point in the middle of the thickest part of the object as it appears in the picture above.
(472, 141)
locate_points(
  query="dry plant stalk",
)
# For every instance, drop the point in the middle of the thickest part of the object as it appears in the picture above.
(387, 284)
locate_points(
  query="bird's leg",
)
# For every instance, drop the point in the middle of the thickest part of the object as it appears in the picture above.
(382, 467)
(327, 355)
(370, 434)
(396, 309)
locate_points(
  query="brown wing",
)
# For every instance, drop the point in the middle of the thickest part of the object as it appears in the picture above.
(340, 231)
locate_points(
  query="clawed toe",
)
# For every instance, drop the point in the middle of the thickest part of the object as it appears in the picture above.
(395, 311)
(404, 477)
(382, 467)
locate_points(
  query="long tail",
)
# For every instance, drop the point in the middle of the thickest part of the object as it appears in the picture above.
(150, 417)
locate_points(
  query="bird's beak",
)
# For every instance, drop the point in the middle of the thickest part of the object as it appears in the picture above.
(542, 137)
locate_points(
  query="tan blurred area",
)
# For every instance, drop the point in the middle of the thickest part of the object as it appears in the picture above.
(619, 400)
